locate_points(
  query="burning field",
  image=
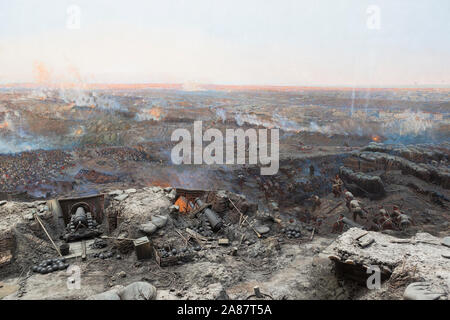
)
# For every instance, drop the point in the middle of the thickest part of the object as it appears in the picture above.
(87, 182)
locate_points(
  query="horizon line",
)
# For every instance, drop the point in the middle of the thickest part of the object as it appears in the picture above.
(192, 86)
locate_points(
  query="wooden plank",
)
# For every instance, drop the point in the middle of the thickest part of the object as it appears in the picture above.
(83, 250)
(45, 230)
(75, 249)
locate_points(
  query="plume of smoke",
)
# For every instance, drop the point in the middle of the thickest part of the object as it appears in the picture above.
(251, 119)
(150, 113)
(282, 123)
(15, 145)
(109, 103)
(86, 98)
(221, 114)
(409, 123)
(77, 96)
(15, 139)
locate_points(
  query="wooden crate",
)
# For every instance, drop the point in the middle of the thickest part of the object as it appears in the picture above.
(143, 248)
(172, 260)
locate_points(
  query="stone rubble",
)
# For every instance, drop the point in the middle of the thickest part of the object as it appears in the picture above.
(421, 253)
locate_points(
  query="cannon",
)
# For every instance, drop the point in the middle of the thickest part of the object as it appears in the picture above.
(81, 225)
(80, 217)
(214, 220)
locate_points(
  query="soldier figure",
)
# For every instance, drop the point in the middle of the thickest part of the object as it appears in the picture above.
(337, 186)
(384, 220)
(402, 220)
(316, 202)
(405, 222)
(356, 210)
(372, 224)
(348, 197)
(311, 170)
(395, 212)
(307, 216)
(338, 226)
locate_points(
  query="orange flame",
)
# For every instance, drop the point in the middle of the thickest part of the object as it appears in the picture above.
(4, 125)
(182, 204)
(376, 138)
(156, 113)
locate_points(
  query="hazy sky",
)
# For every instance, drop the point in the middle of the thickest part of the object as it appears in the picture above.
(263, 42)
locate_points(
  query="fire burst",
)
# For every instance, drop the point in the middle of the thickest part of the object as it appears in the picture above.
(4, 125)
(155, 113)
(376, 138)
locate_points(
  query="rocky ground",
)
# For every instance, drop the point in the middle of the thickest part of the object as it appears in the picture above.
(417, 267)
(283, 268)
(291, 259)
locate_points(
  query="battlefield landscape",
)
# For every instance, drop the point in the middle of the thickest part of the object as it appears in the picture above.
(240, 152)
(388, 148)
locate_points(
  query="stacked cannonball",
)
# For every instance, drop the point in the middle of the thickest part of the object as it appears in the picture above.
(204, 229)
(167, 252)
(292, 232)
(50, 265)
(105, 255)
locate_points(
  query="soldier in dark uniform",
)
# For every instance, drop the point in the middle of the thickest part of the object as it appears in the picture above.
(311, 170)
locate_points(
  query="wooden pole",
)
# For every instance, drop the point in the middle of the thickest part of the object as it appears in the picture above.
(251, 226)
(114, 238)
(45, 230)
(312, 234)
(83, 250)
(241, 215)
(334, 208)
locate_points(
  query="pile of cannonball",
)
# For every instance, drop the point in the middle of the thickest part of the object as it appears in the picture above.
(291, 232)
(166, 252)
(106, 255)
(50, 265)
(204, 229)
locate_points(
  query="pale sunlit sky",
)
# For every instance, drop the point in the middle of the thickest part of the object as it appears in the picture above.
(264, 42)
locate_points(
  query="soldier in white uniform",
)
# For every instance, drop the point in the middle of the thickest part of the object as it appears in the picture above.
(348, 197)
(404, 221)
(357, 210)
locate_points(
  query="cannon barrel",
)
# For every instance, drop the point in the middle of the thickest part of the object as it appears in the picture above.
(213, 218)
(80, 216)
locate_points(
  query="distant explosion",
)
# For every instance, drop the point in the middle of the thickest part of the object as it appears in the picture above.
(4, 125)
(154, 113)
(376, 138)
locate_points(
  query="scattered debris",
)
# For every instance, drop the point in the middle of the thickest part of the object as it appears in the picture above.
(121, 197)
(421, 291)
(446, 241)
(224, 242)
(134, 291)
(399, 262)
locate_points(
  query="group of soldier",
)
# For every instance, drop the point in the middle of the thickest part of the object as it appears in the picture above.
(397, 220)
(381, 220)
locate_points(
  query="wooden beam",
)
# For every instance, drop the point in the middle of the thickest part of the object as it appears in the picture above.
(45, 230)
